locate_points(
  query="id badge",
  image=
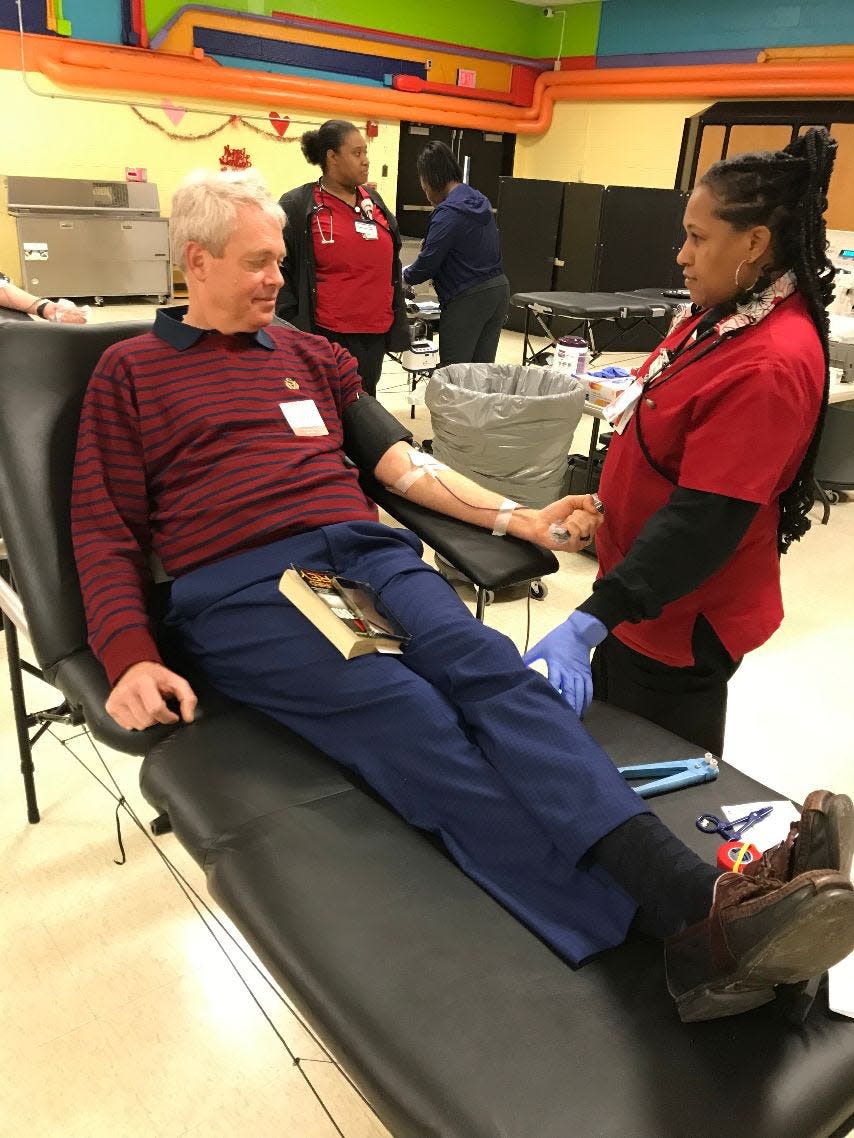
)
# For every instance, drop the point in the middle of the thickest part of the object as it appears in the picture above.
(303, 417)
(658, 364)
(620, 410)
(367, 229)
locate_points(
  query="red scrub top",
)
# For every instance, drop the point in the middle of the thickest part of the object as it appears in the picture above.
(354, 288)
(736, 422)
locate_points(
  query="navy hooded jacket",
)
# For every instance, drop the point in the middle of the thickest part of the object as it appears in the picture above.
(461, 249)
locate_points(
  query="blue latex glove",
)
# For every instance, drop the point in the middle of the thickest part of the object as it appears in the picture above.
(566, 651)
(611, 372)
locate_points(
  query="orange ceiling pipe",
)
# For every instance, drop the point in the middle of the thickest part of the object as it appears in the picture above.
(94, 66)
(90, 66)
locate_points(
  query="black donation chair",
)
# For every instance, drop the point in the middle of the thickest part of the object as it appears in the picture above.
(452, 1018)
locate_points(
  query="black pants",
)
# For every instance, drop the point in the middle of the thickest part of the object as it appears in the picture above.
(690, 702)
(470, 324)
(368, 348)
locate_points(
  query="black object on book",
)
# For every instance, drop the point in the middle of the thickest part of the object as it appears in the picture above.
(348, 613)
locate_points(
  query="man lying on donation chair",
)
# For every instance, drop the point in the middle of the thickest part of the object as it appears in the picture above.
(217, 440)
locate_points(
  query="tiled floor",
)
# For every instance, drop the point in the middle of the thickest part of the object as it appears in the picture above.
(120, 1015)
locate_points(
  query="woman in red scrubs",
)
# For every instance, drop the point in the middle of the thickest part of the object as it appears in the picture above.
(709, 474)
(342, 254)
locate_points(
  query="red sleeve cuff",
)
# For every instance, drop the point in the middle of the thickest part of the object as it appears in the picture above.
(126, 649)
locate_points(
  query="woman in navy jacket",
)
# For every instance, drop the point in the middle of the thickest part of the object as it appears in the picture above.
(461, 254)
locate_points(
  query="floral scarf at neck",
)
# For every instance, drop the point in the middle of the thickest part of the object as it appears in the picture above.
(754, 310)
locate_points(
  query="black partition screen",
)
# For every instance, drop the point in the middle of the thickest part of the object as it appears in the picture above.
(578, 238)
(640, 235)
(639, 238)
(581, 237)
(529, 211)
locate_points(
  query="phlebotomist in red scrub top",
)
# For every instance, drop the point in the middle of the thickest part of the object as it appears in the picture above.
(709, 475)
(342, 254)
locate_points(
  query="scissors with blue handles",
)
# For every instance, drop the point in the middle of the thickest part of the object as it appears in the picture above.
(731, 831)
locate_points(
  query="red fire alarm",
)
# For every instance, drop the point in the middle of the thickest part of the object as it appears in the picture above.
(372, 129)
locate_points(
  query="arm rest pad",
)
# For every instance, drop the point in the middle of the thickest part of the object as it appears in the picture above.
(490, 562)
(82, 681)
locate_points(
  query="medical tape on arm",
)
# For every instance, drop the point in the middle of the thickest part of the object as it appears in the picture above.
(502, 518)
(421, 464)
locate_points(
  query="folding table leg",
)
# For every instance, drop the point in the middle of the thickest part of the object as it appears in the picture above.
(591, 455)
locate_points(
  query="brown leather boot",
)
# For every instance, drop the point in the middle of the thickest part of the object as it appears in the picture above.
(759, 933)
(822, 838)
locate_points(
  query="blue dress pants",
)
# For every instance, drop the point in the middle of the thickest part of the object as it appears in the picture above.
(456, 733)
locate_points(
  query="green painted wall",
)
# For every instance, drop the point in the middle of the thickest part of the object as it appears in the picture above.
(495, 25)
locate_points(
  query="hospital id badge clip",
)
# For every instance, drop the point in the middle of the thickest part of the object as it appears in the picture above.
(620, 410)
(367, 229)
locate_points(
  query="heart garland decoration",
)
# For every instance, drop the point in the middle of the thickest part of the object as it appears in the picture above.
(280, 123)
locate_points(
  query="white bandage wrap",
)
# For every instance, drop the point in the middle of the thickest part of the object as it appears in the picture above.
(502, 520)
(421, 464)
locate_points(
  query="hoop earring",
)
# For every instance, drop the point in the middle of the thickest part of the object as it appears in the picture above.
(740, 289)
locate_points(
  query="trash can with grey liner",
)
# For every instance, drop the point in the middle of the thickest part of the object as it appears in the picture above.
(508, 427)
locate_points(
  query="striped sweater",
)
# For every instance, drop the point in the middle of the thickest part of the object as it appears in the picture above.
(184, 450)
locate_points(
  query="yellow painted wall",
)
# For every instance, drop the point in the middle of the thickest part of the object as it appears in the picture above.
(617, 144)
(57, 137)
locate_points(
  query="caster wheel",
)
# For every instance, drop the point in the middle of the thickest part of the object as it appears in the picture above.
(160, 825)
(99, 301)
(489, 597)
(539, 590)
(832, 496)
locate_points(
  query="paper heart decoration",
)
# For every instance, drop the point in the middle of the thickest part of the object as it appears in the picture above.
(173, 113)
(280, 124)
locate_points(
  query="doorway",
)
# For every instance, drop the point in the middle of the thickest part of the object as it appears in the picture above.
(490, 156)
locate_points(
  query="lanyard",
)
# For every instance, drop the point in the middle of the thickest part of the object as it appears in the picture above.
(703, 329)
(699, 334)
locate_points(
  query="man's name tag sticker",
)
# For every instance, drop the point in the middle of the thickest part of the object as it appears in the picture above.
(303, 417)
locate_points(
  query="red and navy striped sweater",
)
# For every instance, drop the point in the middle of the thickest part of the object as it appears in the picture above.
(184, 450)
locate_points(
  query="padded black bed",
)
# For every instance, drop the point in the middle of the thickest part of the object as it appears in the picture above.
(453, 1019)
(590, 313)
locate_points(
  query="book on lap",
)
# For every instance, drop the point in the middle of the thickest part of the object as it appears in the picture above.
(348, 613)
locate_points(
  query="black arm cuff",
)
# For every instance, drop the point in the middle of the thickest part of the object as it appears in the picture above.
(679, 548)
(369, 431)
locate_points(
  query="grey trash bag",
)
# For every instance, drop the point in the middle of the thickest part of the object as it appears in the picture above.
(506, 426)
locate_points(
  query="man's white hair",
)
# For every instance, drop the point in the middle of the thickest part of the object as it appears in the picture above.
(205, 205)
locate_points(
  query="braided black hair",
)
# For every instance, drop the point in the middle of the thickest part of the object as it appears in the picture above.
(786, 190)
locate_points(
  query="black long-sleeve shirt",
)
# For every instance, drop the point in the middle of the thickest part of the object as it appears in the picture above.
(681, 545)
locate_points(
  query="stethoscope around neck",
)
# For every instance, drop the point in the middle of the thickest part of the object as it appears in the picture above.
(364, 207)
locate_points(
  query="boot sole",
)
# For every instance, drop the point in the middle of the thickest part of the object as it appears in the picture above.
(841, 815)
(840, 822)
(821, 936)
